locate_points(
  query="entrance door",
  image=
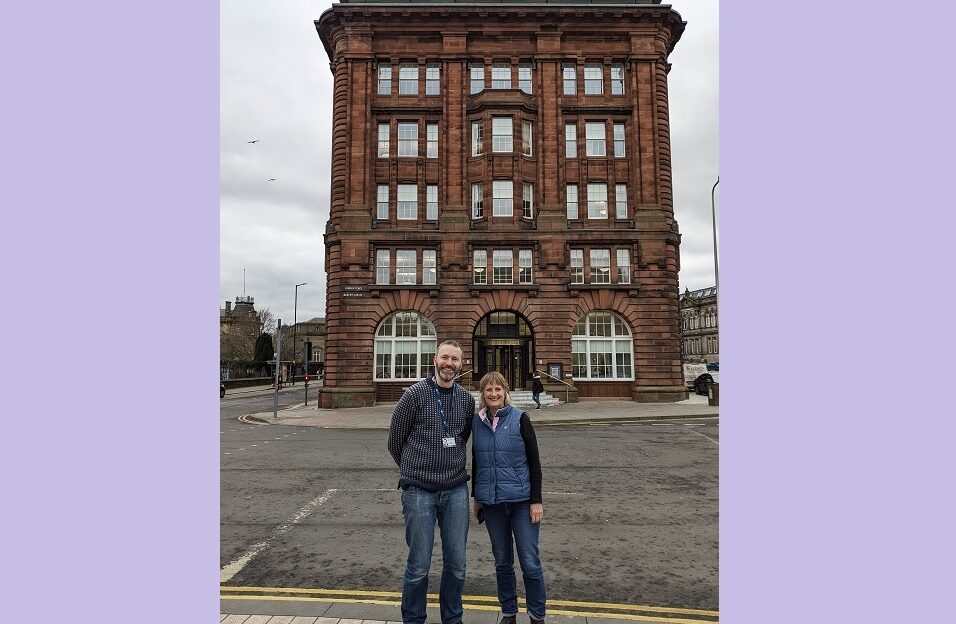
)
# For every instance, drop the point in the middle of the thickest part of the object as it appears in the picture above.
(503, 343)
(509, 360)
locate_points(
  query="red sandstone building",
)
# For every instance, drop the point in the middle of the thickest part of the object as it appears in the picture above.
(501, 176)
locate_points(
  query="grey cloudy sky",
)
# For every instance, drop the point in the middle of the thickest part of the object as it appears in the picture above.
(276, 87)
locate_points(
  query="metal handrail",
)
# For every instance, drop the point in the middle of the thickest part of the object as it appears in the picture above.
(460, 375)
(567, 396)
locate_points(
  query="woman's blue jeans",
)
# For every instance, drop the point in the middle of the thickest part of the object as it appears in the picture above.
(422, 508)
(509, 526)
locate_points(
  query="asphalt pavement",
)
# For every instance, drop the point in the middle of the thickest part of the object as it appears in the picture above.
(239, 605)
(582, 412)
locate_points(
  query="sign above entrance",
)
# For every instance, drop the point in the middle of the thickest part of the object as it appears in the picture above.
(500, 342)
(354, 291)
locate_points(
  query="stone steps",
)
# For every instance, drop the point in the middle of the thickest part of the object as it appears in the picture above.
(522, 398)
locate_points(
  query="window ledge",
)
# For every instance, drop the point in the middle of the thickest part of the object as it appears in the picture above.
(532, 289)
(375, 290)
(632, 288)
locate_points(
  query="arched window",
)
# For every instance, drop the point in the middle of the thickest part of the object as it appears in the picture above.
(602, 348)
(404, 347)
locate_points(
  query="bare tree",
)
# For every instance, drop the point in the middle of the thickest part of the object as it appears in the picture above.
(237, 339)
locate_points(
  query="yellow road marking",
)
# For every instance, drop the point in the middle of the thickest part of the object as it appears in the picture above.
(243, 419)
(435, 605)
(493, 599)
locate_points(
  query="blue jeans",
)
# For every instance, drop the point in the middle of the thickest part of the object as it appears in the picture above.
(505, 520)
(534, 397)
(421, 509)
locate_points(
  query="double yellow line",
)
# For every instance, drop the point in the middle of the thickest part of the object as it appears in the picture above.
(617, 611)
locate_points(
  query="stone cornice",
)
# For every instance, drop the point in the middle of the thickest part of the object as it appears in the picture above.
(574, 18)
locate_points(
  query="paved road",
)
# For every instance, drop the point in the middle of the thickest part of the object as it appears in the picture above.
(261, 399)
(631, 512)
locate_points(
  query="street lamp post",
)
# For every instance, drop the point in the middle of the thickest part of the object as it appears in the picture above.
(294, 321)
(713, 215)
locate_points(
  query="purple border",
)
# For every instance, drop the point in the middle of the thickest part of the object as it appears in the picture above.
(835, 122)
(111, 163)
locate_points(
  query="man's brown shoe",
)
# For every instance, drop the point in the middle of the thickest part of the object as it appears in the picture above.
(508, 619)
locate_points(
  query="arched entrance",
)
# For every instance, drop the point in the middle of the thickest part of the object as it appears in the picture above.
(503, 342)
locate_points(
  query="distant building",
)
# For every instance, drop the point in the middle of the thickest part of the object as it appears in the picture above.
(239, 327)
(309, 336)
(501, 176)
(699, 325)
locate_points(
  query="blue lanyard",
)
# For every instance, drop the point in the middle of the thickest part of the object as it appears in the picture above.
(441, 407)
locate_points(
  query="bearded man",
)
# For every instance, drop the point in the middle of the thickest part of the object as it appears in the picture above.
(430, 427)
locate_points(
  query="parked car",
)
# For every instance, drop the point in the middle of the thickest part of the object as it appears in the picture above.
(703, 382)
(222, 389)
(713, 366)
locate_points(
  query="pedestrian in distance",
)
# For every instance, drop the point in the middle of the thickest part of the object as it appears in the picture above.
(430, 427)
(536, 390)
(507, 491)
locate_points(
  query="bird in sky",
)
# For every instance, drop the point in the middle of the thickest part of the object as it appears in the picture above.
(271, 180)
(253, 141)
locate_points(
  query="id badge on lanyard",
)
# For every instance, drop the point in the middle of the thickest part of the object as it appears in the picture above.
(446, 441)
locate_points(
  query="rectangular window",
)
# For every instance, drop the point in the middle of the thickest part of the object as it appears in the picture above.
(504, 266)
(526, 138)
(572, 196)
(408, 201)
(502, 134)
(623, 266)
(429, 267)
(383, 145)
(406, 359)
(577, 266)
(382, 266)
(569, 73)
(601, 359)
(594, 135)
(524, 77)
(432, 79)
(480, 265)
(408, 139)
(382, 213)
(405, 266)
(617, 79)
(623, 358)
(431, 140)
(571, 140)
(500, 76)
(477, 138)
(503, 201)
(477, 78)
(431, 202)
(524, 266)
(477, 201)
(383, 361)
(527, 200)
(619, 140)
(384, 79)
(593, 79)
(597, 200)
(620, 201)
(600, 266)
(408, 79)
(579, 358)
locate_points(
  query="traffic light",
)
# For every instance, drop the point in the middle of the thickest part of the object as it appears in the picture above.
(306, 379)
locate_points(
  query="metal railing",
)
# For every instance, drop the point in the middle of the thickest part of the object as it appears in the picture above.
(567, 396)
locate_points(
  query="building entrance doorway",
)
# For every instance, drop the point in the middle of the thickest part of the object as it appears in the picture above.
(503, 342)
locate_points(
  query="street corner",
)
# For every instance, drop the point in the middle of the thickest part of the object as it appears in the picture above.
(253, 419)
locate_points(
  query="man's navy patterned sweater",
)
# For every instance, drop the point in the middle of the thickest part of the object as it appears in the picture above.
(416, 433)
